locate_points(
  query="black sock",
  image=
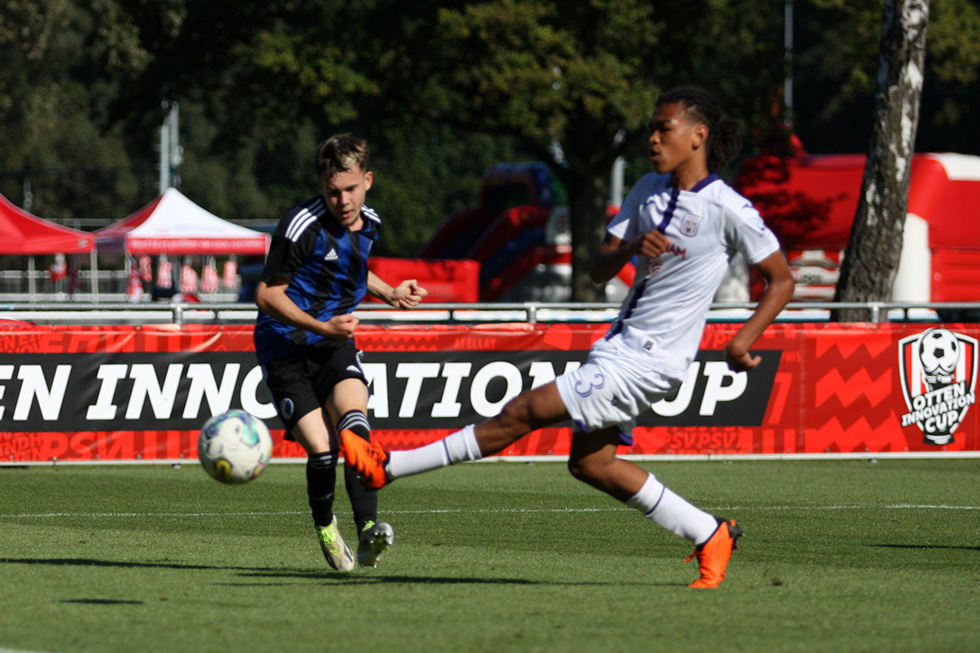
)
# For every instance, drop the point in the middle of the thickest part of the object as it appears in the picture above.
(321, 479)
(363, 500)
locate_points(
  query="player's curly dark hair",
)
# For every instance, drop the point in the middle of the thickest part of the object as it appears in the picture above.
(724, 137)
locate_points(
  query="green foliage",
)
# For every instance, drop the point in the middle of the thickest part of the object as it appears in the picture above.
(837, 65)
(951, 98)
(424, 172)
(546, 71)
(442, 89)
(954, 26)
(295, 64)
(57, 133)
(839, 555)
(577, 75)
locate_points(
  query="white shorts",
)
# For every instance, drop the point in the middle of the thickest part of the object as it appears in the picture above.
(612, 388)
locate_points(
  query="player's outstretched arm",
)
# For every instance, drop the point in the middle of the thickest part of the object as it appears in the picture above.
(778, 292)
(407, 294)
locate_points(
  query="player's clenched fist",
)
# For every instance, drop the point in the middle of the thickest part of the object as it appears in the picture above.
(652, 244)
(341, 327)
(408, 294)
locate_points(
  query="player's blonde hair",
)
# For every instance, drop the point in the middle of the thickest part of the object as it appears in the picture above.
(341, 153)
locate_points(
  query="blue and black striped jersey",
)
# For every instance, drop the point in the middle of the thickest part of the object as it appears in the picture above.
(326, 267)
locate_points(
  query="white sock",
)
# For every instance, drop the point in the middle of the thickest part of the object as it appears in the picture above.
(456, 447)
(661, 505)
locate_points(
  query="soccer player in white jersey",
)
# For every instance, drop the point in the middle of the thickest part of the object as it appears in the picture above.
(684, 224)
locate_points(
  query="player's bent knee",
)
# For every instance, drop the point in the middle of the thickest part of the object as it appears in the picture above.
(594, 469)
(584, 469)
(576, 469)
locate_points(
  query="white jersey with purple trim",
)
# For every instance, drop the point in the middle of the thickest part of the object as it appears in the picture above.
(665, 310)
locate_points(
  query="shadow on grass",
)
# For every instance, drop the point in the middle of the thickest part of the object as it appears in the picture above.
(272, 573)
(90, 562)
(102, 602)
(926, 546)
(366, 577)
(356, 578)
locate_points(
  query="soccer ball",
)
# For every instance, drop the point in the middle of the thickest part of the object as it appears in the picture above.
(939, 352)
(234, 447)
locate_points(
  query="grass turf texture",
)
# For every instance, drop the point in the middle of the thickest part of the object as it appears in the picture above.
(839, 555)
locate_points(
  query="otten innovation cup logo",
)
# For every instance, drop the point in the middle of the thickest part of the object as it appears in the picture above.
(939, 380)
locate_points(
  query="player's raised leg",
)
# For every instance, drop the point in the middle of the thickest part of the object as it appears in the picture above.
(530, 410)
(714, 538)
(713, 555)
(593, 461)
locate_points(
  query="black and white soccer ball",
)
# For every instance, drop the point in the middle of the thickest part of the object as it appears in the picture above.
(234, 447)
(939, 352)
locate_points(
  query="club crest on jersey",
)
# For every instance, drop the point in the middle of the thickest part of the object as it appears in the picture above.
(689, 226)
(938, 370)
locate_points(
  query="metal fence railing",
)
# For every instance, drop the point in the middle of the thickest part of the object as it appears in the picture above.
(78, 312)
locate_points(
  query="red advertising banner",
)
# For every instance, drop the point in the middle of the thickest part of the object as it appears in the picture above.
(140, 393)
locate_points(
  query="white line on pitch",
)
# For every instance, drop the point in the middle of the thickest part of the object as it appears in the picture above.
(903, 506)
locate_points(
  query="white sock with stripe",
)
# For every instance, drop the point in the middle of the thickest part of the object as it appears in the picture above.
(455, 448)
(666, 508)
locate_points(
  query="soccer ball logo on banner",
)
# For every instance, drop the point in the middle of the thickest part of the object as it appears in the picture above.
(938, 371)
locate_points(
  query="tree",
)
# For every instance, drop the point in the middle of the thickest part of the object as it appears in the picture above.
(442, 89)
(62, 61)
(835, 66)
(951, 94)
(260, 86)
(574, 82)
(571, 76)
(875, 246)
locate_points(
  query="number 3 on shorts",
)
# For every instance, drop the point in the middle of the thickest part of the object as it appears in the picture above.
(596, 383)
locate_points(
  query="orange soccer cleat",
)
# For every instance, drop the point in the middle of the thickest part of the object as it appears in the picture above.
(367, 459)
(713, 555)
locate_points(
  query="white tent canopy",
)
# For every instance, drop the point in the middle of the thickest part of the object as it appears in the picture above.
(173, 224)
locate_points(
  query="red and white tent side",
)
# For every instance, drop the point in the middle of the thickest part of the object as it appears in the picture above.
(27, 235)
(173, 224)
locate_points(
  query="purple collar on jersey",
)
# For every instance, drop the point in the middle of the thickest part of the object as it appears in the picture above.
(710, 179)
(675, 194)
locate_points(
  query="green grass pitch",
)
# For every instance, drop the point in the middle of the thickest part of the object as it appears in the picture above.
(839, 555)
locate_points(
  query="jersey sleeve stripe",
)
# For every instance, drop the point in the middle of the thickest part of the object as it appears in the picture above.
(370, 214)
(298, 224)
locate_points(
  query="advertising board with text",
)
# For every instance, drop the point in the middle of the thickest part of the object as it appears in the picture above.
(97, 393)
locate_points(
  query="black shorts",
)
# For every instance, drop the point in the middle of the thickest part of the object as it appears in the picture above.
(301, 382)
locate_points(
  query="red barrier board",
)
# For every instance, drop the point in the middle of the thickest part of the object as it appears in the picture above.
(128, 393)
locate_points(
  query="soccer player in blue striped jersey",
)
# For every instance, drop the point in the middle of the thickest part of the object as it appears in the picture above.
(683, 224)
(315, 275)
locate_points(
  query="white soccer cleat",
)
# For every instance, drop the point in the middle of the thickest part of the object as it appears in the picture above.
(373, 541)
(334, 548)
